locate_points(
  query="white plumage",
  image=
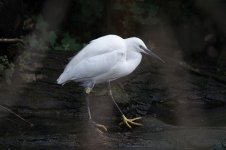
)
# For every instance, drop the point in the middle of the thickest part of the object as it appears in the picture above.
(105, 59)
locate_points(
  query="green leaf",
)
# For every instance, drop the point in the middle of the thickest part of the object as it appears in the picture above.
(41, 24)
(52, 38)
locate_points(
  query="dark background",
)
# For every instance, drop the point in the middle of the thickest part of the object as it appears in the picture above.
(198, 27)
(182, 101)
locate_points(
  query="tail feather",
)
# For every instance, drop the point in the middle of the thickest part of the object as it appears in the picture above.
(62, 79)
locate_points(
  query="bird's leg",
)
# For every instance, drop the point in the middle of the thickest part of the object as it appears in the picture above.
(100, 128)
(127, 121)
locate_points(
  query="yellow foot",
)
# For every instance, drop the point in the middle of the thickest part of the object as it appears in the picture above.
(130, 122)
(100, 128)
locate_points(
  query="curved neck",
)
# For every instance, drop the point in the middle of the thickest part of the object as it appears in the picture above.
(133, 59)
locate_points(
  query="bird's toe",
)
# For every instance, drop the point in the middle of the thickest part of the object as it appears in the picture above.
(100, 127)
(130, 122)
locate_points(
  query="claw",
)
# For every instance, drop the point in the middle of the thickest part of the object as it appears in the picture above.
(130, 122)
(100, 128)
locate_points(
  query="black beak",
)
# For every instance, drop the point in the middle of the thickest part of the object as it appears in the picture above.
(151, 53)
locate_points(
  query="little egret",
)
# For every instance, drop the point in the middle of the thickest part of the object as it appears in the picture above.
(103, 60)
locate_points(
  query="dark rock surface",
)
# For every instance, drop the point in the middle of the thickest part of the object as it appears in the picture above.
(180, 110)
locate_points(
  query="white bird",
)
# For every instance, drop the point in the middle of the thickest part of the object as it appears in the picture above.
(103, 60)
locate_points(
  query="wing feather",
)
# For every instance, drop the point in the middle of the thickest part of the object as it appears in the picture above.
(96, 58)
(97, 47)
(94, 66)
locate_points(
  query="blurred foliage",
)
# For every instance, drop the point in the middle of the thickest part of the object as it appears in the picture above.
(4, 64)
(88, 19)
(93, 18)
(44, 38)
(144, 12)
(66, 43)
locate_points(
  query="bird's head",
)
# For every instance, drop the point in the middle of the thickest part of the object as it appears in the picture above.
(136, 44)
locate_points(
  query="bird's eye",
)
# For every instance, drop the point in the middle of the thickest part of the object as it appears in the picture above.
(140, 46)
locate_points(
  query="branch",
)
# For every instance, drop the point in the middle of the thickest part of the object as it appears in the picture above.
(15, 40)
(12, 112)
